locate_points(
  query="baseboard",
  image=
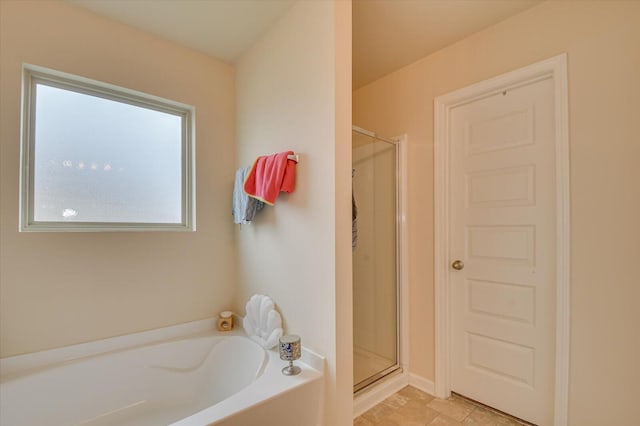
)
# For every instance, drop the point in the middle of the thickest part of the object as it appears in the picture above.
(384, 389)
(378, 393)
(425, 385)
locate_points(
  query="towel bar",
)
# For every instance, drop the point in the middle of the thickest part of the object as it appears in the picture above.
(293, 157)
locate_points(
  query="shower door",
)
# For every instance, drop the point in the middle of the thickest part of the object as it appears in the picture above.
(375, 258)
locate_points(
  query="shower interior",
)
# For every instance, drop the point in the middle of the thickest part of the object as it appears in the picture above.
(375, 258)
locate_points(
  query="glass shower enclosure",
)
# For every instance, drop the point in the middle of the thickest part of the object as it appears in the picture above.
(375, 257)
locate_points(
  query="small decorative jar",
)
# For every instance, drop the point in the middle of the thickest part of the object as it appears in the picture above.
(225, 321)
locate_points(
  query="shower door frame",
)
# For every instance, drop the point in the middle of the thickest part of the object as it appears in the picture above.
(402, 322)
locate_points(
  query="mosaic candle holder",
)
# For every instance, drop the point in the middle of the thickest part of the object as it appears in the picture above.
(290, 351)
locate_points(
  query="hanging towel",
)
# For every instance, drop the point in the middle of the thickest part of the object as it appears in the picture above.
(244, 208)
(270, 175)
(354, 215)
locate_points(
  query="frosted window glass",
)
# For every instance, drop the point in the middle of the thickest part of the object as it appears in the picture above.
(96, 157)
(98, 160)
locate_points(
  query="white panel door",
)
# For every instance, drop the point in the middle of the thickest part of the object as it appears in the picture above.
(502, 227)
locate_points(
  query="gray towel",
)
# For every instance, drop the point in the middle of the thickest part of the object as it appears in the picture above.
(354, 222)
(244, 208)
(354, 214)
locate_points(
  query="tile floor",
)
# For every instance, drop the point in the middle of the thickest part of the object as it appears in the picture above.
(412, 407)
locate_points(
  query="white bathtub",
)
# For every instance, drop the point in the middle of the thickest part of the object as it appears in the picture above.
(182, 376)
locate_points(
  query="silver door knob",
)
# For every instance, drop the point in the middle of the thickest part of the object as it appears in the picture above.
(458, 265)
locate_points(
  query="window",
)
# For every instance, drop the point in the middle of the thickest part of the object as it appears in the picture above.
(96, 157)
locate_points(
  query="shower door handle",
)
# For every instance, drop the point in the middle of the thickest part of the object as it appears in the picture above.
(458, 265)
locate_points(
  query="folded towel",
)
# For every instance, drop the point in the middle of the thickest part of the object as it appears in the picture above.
(270, 175)
(244, 208)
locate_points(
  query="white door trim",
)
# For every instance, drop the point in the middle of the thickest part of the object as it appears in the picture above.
(555, 68)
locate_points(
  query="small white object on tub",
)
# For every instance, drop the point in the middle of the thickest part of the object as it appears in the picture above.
(262, 322)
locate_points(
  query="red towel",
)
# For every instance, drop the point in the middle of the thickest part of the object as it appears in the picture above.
(270, 175)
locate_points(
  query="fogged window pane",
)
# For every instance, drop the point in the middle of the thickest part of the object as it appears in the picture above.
(98, 160)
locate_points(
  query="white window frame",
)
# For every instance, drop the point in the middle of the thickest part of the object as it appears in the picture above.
(32, 75)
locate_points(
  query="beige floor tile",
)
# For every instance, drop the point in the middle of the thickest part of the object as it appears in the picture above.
(412, 407)
(361, 421)
(481, 417)
(413, 393)
(418, 411)
(377, 413)
(453, 407)
(397, 400)
(507, 421)
(402, 419)
(388, 421)
(443, 420)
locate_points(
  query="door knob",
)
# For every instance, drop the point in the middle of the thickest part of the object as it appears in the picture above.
(458, 265)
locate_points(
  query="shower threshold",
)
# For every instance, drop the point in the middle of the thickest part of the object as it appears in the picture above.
(375, 379)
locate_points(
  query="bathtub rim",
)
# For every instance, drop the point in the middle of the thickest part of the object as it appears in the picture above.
(24, 364)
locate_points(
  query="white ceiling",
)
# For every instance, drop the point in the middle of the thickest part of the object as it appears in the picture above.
(387, 34)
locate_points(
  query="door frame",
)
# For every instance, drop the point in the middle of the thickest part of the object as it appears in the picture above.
(556, 69)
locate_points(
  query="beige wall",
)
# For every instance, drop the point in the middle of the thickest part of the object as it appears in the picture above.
(342, 318)
(602, 41)
(58, 289)
(288, 96)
